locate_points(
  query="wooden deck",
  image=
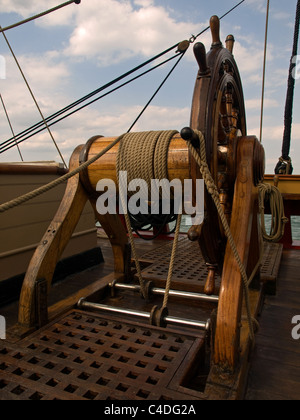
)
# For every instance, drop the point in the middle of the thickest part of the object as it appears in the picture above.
(275, 367)
(274, 372)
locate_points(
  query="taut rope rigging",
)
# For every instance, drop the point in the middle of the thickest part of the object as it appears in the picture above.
(34, 99)
(54, 119)
(47, 12)
(39, 127)
(264, 72)
(284, 165)
(12, 130)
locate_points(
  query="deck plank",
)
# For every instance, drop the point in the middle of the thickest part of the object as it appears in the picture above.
(275, 367)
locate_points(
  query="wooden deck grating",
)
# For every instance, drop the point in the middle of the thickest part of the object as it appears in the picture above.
(190, 270)
(83, 356)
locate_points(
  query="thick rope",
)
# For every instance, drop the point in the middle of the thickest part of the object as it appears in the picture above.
(213, 191)
(15, 25)
(172, 262)
(134, 252)
(143, 156)
(45, 188)
(274, 196)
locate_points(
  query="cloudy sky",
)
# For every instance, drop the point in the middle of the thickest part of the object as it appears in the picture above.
(75, 50)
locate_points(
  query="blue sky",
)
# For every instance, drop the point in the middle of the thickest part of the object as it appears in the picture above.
(75, 50)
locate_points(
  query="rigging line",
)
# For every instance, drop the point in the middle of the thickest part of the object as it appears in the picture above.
(8, 147)
(156, 92)
(113, 82)
(33, 97)
(264, 72)
(147, 62)
(15, 25)
(232, 9)
(121, 77)
(102, 88)
(288, 115)
(12, 130)
(118, 79)
(222, 17)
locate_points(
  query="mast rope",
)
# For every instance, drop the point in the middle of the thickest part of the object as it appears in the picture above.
(34, 99)
(42, 190)
(36, 129)
(264, 72)
(11, 127)
(284, 165)
(47, 12)
(28, 133)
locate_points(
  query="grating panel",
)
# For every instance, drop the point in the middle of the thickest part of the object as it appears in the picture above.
(190, 267)
(87, 357)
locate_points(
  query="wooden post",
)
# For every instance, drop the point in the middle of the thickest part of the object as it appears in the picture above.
(51, 247)
(227, 339)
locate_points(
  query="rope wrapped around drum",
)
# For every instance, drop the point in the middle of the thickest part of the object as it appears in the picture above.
(144, 156)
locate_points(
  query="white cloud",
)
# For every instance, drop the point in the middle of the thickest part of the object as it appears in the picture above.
(255, 104)
(249, 58)
(272, 142)
(25, 9)
(46, 76)
(257, 5)
(30, 8)
(90, 122)
(111, 31)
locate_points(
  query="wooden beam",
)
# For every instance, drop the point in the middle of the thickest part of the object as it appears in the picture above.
(51, 247)
(227, 339)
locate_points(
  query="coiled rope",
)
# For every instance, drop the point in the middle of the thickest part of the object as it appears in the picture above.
(272, 194)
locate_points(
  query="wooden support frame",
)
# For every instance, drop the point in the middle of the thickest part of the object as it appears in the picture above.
(244, 228)
(33, 314)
